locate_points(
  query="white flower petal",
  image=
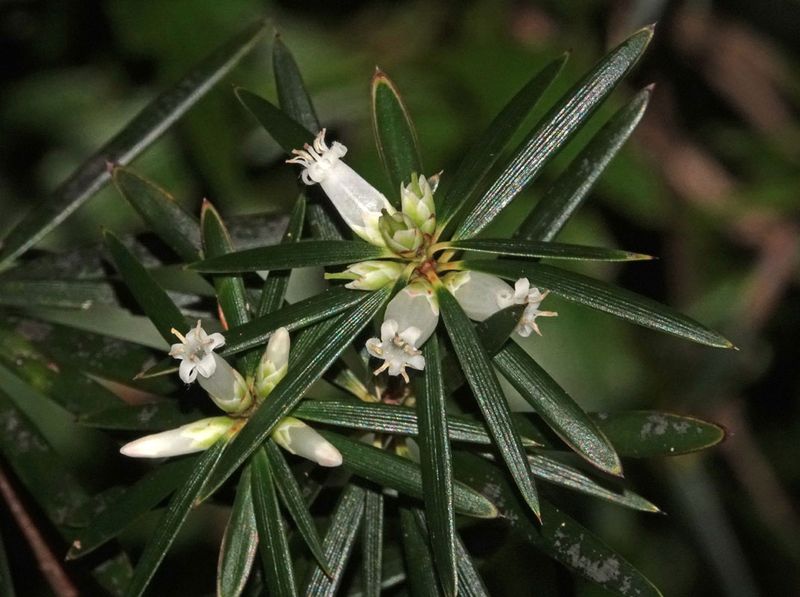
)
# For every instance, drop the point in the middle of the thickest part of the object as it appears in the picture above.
(187, 371)
(216, 340)
(207, 365)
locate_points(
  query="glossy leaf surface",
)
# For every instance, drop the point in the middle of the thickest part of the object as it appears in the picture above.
(484, 385)
(134, 138)
(303, 254)
(604, 297)
(555, 129)
(394, 134)
(437, 469)
(390, 470)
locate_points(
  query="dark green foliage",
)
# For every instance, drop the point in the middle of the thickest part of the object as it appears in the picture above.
(427, 465)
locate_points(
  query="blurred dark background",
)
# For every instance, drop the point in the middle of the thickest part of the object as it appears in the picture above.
(709, 183)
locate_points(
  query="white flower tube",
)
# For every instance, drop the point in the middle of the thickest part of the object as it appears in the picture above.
(296, 437)
(194, 437)
(411, 317)
(224, 384)
(482, 295)
(357, 201)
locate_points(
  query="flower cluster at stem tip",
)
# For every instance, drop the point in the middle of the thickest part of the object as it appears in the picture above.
(411, 235)
(228, 389)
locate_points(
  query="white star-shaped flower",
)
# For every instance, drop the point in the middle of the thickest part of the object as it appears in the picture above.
(398, 349)
(196, 352)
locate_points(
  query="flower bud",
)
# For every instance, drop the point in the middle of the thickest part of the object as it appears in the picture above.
(193, 437)
(369, 275)
(416, 200)
(400, 234)
(357, 201)
(296, 437)
(274, 363)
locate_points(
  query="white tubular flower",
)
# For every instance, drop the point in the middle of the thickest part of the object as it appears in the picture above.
(369, 275)
(482, 295)
(194, 437)
(411, 317)
(196, 352)
(296, 437)
(416, 200)
(357, 201)
(274, 363)
(224, 384)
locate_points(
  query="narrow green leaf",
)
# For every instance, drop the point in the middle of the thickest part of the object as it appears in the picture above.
(138, 499)
(389, 470)
(485, 151)
(294, 317)
(172, 521)
(152, 299)
(161, 212)
(645, 434)
(292, 95)
(416, 548)
(137, 135)
(114, 574)
(273, 543)
(555, 129)
(384, 418)
(372, 543)
(164, 367)
(77, 352)
(234, 302)
(286, 131)
(603, 297)
(557, 535)
(59, 382)
(572, 186)
(231, 292)
(470, 583)
(339, 542)
(150, 417)
(239, 543)
(274, 289)
(394, 134)
(570, 477)
(486, 389)
(38, 467)
(302, 254)
(292, 498)
(542, 250)
(307, 366)
(496, 329)
(437, 470)
(557, 408)
(6, 582)
(62, 294)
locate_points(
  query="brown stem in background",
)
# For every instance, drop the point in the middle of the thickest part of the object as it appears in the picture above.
(49, 564)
